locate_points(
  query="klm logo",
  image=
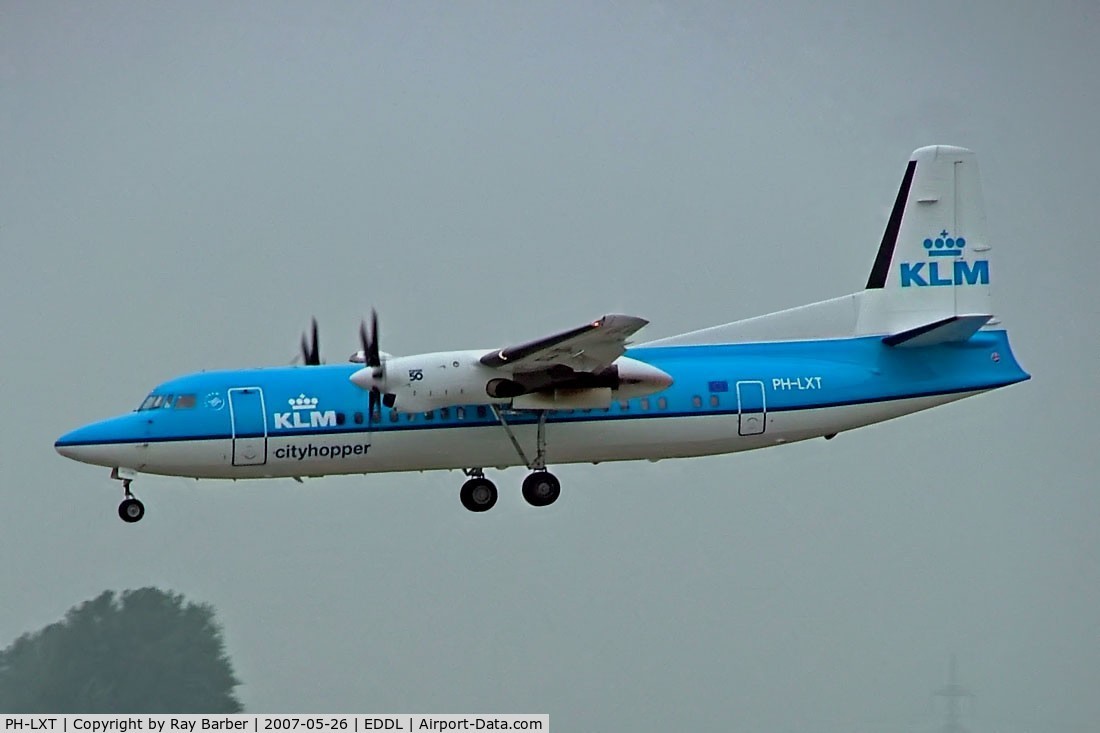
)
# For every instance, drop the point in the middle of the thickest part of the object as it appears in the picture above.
(304, 414)
(937, 272)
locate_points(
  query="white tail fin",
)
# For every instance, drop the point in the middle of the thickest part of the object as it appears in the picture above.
(934, 259)
(930, 280)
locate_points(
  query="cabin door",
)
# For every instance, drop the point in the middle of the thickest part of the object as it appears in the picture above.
(249, 425)
(752, 414)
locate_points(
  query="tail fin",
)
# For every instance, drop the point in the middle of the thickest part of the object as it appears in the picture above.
(934, 259)
(929, 282)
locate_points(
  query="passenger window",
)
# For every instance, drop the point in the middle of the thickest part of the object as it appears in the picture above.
(481, 411)
(624, 405)
(429, 415)
(444, 413)
(696, 401)
(394, 417)
(460, 413)
(714, 400)
(340, 419)
(185, 402)
(644, 403)
(358, 417)
(662, 403)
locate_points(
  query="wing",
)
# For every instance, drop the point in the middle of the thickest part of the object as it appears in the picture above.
(589, 348)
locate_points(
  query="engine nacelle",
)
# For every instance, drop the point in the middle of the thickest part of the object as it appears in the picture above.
(637, 379)
(593, 398)
(425, 382)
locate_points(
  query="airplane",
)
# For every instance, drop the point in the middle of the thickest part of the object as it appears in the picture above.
(920, 334)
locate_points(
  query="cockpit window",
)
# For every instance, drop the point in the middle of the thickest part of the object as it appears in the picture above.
(167, 401)
(156, 401)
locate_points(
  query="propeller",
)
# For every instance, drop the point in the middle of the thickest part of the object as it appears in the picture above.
(372, 359)
(311, 346)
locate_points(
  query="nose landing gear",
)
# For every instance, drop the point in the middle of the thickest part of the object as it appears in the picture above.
(130, 510)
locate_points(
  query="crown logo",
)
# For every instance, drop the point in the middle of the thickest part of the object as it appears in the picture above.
(301, 402)
(944, 246)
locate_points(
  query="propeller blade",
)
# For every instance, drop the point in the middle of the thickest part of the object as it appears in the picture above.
(311, 349)
(364, 341)
(373, 357)
(372, 405)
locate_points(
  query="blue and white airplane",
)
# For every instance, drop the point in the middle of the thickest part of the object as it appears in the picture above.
(922, 333)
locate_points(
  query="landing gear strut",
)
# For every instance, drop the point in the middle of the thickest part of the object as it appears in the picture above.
(479, 494)
(130, 510)
(540, 488)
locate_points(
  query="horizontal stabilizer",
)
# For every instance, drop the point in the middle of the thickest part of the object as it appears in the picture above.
(946, 330)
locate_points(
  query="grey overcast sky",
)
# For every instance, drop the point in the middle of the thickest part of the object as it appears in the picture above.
(183, 185)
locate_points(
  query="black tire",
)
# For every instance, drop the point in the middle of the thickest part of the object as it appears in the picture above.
(541, 488)
(131, 510)
(478, 494)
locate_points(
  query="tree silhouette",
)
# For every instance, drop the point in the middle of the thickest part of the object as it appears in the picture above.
(145, 650)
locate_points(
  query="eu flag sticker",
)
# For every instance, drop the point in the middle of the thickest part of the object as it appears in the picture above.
(722, 386)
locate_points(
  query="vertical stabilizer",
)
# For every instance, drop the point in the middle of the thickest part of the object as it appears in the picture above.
(934, 259)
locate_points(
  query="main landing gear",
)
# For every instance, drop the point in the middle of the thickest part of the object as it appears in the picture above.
(540, 488)
(130, 510)
(479, 494)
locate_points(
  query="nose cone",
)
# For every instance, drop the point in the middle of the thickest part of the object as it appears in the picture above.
(75, 444)
(68, 444)
(97, 443)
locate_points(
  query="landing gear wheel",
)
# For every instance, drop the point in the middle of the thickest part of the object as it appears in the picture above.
(131, 510)
(478, 494)
(541, 488)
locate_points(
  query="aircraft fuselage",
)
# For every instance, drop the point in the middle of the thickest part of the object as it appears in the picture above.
(312, 421)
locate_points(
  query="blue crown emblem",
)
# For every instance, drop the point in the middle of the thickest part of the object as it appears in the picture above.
(944, 246)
